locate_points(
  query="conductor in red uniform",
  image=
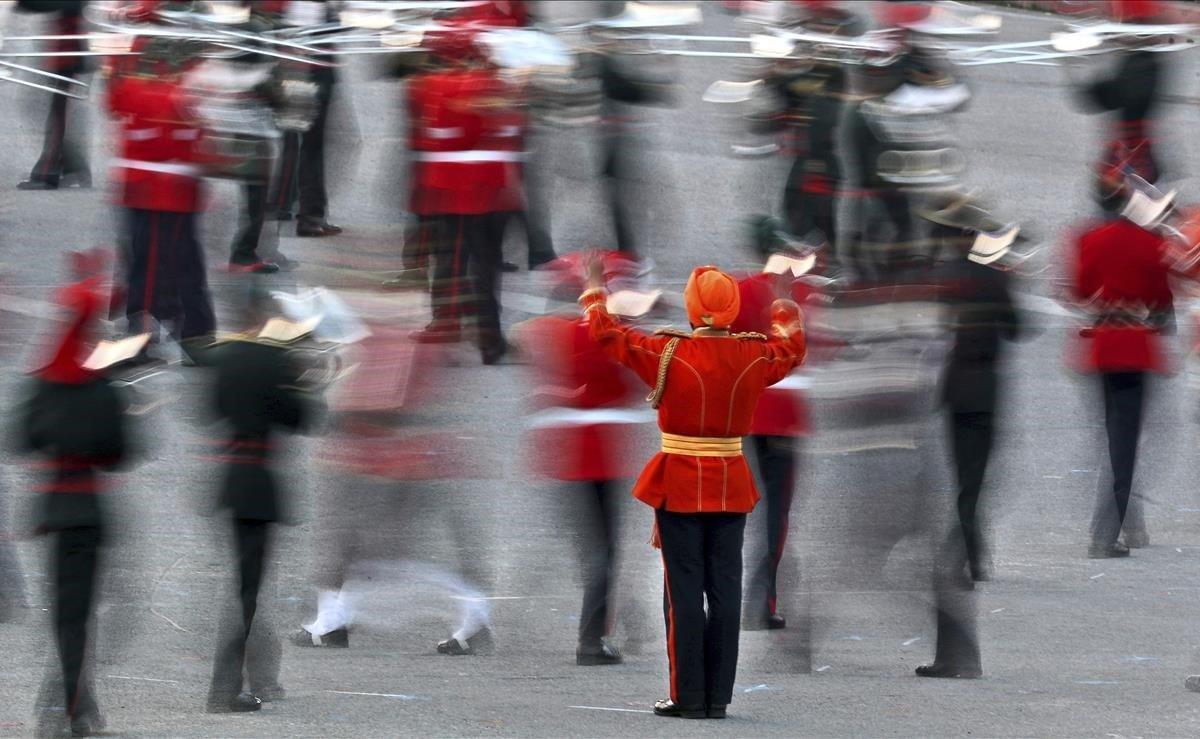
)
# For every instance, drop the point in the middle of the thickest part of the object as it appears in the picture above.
(707, 383)
(1121, 277)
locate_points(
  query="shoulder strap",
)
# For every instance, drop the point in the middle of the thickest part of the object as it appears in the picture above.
(655, 397)
(673, 332)
(750, 335)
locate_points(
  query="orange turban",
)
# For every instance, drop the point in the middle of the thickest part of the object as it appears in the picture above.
(712, 298)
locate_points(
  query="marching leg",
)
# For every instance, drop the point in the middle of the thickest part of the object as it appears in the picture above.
(682, 538)
(723, 535)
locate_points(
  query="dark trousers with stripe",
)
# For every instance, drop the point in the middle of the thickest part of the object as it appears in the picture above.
(76, 559)
(61, 154)
(466, 274)
(702, 563)
(237, 644)
(253, 217)
(1124, 397)
(776, 456)
(167, 279)
(302, 160)
(600, 509)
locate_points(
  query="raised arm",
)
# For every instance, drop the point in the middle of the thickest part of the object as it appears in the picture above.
(786, 347)
(638, 351)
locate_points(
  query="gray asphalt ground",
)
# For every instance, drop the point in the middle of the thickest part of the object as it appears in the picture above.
(1071, 646)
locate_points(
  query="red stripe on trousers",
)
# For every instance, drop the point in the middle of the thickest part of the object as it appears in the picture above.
(670, 628)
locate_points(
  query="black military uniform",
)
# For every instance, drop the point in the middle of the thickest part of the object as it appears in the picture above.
(77, 420)
(1132, 93)
(255, 395)
(983, 317)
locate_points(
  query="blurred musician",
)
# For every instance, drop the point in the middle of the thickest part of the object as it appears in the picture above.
(63, 161)
(76, 420)
(1120, 277)
(466, 140)
(579, 436)
(301, 177)
(256, 395)
(780, 419)
(158, 175)
(1130, 93)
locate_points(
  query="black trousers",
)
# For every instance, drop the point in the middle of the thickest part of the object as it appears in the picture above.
(1124, 396)
(600, 508)
(302, 161)
(166, 274)
(466, 275)
(61, 154)
(253, 217)
(617, 183)
(776, 457)
(971, 439)
(252, 540)
(76, 558)
(702, 564)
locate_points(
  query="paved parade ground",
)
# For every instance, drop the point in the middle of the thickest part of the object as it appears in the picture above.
(1070, 646)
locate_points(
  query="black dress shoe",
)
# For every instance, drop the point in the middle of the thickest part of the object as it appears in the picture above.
(338, 639)
(493, 352)
(1110, 551)
(481, 644)
(716, 711)
(240, 703)
(674, 710)
(949, 671)
(605, 654)
(38, 185)
(308, 228)
(509, 267)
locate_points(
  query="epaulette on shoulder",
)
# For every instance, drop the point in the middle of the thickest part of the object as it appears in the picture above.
(750, 335)
(673, 332)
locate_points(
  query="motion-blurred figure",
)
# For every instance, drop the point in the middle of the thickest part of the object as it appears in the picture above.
(1119, 276)
(257, 395)
(467, 127)
(580, 433)
(301, 178)
(63, 161)
(780, 418)
(75, 419)
(158, 176)
(1130, 92)
(814, 96)
(706, 383)
(975, 285)
(389, 452)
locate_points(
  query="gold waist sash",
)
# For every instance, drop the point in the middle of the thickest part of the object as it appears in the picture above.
(702, 446)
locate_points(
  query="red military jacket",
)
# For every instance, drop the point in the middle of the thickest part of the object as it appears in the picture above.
(782, 410)
(581, 427)
(466, 151)
(1121, 272)
(159, 163)
(713, 384)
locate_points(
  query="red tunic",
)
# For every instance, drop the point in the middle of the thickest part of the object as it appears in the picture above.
(466, 154)
(713, 385)
(583, 423)
(782, 410)
(1121, 268)
(159, 165)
